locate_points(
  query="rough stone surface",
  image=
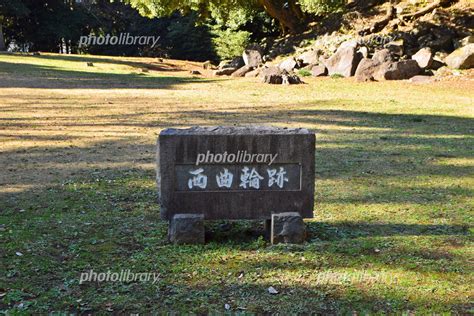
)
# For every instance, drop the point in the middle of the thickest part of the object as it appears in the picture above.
(288, 64)
(396, 47)
(235, 63)
(466, 41)
(224, 71)
(350, 43)
(273, 75)
(343, 62)
(424, 58)
(398, 70)
(382, 56)
(310, 57)
(319, 71)
(186, 229)
(290, 78)
(254, 73)
(436, 64)
(242, 71)
(461, 58)
(367, 69)
(441, 43)
(364, 51)
(287, 227)
(177, 154)
(252, 57)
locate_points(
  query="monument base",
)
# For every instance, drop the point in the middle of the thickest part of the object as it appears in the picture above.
(186, 229)
(287, 228)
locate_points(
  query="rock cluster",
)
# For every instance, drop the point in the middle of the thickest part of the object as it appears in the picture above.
(251, 65)
(394, 60)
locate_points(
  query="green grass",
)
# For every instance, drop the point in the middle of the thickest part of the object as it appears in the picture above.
(392, 231)
(304, 72)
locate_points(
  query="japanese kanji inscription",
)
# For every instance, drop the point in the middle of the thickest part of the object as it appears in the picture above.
(236, 172)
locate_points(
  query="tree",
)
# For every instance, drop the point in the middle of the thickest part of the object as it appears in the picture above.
(9, 9)
(288, 12)
(2, 40)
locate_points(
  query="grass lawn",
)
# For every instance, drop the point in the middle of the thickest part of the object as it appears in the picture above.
(394, 207)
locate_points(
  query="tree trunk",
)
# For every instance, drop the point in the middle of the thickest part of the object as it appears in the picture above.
(427, 9)
(284, 14)
(296, 9)
(2, 40)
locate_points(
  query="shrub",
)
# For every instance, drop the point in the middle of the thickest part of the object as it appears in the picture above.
(228, 44)
(322, 7)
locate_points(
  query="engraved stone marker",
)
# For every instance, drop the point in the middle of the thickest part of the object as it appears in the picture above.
(236, 172)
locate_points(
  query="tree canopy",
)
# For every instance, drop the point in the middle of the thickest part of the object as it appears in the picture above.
(291, 14)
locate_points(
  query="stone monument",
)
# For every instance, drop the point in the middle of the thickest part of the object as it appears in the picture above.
(260, 173)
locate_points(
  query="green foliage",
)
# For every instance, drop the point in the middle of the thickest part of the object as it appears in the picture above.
(189, 41)
(304, 72)
(229, 44)
(336, 76)
(322, 7)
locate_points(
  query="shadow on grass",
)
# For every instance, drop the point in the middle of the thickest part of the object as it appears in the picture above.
(378, 146)
(22, 75)
(158, 66)
(111, 222)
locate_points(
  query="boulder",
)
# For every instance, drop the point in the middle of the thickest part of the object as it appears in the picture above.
(252, 57)
(319, 71)
(254, 73)
(424, 58)
(461, 58)
(367, 69)
(350, 43)
(310, 57)
(364, 52)
(436, 64)
(236, 63)
(343, 62)
(382, 56)
(441, 43)
(290, 78)
(466, 41)
(224, 71)
(397, 70)
(195, 72)
(396, 47)
(288, 64)
(242, 71)
(273, 75)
